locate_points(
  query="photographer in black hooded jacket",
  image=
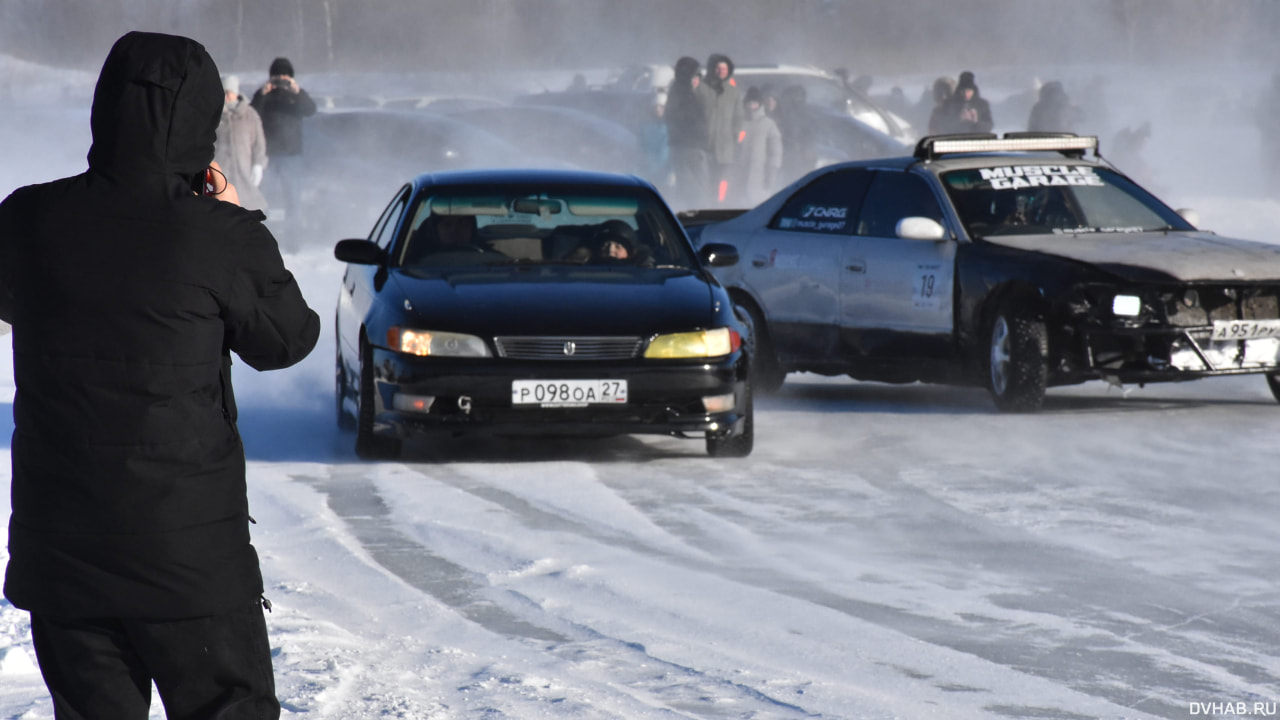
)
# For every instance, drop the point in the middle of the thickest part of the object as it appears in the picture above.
(282, 104)
(127, 291)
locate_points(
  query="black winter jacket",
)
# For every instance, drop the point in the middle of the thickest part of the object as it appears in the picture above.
(282, 112)
(127, 292)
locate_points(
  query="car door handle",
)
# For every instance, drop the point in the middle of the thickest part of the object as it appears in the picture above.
(760, 261)
(856, 266)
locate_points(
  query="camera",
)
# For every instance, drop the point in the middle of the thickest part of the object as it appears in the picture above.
(280, 82)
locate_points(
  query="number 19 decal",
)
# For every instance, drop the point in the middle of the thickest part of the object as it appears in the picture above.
(927, 288)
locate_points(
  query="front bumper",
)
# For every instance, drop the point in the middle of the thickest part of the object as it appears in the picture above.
(1170, 337)
(474, 396)
(1168, 354)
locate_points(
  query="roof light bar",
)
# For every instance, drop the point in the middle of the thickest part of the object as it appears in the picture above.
(1012, 142)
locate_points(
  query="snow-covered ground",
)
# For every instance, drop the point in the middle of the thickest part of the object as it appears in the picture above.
(886, 552)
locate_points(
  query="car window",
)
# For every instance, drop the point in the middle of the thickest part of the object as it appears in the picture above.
(892, 197)
(588, 225)
(827, 205)
(1059, 199)
(384, 229)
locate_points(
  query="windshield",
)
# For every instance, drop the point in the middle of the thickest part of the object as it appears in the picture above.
(619, 228)
(1054, 199)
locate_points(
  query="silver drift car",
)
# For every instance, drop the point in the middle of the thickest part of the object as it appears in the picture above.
(1019, 262)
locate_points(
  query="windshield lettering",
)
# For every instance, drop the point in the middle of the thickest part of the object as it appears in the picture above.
(1055, 199)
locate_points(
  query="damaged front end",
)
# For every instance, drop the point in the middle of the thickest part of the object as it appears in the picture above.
(1140, 335)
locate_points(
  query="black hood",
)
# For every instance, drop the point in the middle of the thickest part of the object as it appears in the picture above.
(155, 111)
(686, 67)
(561, 301)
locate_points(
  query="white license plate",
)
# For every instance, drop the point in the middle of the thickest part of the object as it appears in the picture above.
(1226, 330)
(568, 393)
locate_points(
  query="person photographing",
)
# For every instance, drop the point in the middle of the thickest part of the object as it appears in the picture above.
(282, 104)
(129, 287)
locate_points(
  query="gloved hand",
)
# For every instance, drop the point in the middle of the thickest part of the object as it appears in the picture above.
(255, 175)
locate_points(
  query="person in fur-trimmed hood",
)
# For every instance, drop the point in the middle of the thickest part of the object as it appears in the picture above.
(128, 289)
(724, 121)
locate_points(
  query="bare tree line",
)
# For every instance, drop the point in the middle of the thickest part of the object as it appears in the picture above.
(875, 35)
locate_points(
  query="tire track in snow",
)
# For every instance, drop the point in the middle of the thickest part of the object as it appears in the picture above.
(353, 497)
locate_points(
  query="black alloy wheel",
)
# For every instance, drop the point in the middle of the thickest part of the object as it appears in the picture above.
(368, 445)
(346, 423)
(767, 374)
(1018, 365)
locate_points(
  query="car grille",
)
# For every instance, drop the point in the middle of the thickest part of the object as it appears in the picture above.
(568, 348)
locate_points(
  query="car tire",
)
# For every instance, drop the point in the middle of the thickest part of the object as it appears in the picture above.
(1273, 382)
(767, 374)
(368, 445)
(740, 445)
(346, 423)
(1017, 361)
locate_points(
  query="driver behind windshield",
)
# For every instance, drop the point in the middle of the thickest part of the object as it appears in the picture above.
(451, 232)
(614, 242)
(443, 233)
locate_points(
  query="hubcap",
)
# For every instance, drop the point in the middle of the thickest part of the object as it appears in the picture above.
(1000, 356)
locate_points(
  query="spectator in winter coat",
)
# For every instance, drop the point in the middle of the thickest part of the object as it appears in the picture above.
(966, 111)
(687, 136)
(943, 89)
(723, 102)
(241, 147)
(282, 105)
(1053, 112)
(760, 159)
(128, 291)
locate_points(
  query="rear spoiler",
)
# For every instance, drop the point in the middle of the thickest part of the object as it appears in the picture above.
(694, 218)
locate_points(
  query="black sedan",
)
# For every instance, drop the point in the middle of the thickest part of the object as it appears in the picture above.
(537, 302)
(1018, 263)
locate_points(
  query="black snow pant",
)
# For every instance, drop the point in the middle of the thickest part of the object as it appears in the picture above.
(204, 668)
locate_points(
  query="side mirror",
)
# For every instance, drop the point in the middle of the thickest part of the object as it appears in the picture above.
(1190, 216)
(921, 228)
(718, 255)
(359, 252)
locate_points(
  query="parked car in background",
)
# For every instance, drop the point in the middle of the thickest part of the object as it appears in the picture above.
(536, 302)
(1019, 263)
(356, 158)
(575, 137)
(629, 108)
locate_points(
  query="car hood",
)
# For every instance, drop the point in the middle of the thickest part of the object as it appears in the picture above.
(547, 300)
(1158, 256)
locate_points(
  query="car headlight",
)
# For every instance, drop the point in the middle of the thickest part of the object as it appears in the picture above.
(698, 344)
(1126, 306)
(435, 344)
